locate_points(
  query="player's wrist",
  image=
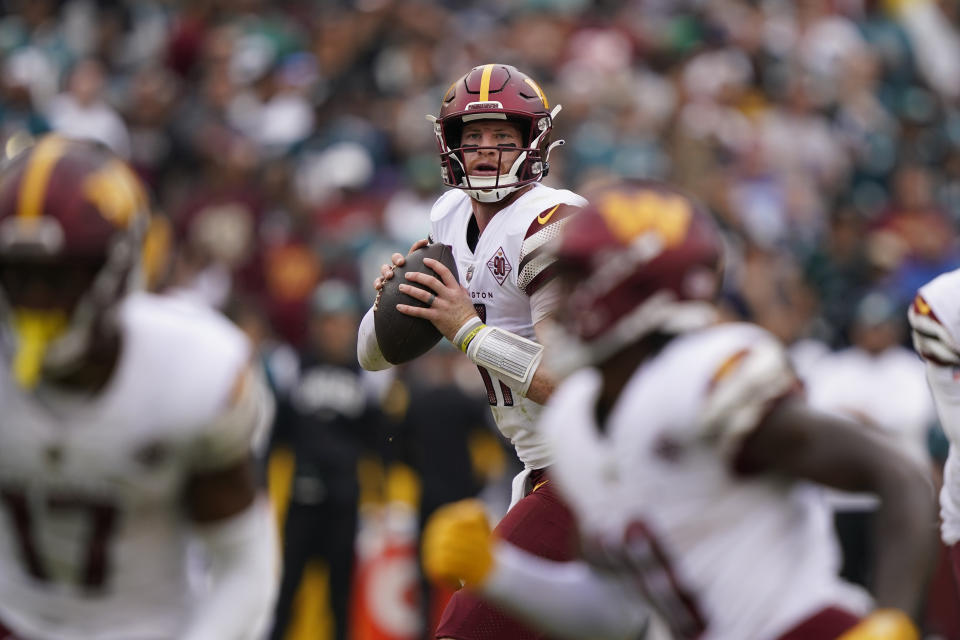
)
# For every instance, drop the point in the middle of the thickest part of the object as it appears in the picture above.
(467, 332)
(511, 357)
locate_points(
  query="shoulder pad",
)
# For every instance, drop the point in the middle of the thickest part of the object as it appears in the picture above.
(536, 263)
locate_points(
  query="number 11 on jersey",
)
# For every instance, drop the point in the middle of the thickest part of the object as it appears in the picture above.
(487, 379)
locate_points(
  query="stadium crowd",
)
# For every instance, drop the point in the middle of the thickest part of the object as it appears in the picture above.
(285, 144)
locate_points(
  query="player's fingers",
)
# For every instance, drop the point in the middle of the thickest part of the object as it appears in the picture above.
(418, 244)
(386, 271)
(425, 279)
(417, 312)
(378, 283)
(398, 259)
(445, 274)
(416, 292)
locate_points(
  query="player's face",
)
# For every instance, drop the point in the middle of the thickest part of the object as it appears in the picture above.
(496, 135)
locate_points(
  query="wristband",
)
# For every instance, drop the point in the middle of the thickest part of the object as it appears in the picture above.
(467, 332)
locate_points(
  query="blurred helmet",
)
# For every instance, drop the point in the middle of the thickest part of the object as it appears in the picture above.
(495, 92)
(640, 258)
(73, 218)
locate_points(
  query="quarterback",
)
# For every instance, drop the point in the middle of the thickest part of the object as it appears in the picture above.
(128, 508)
(935, 323)
(680, 445)
(493, 132)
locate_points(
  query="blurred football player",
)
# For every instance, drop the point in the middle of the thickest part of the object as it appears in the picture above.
(935, 325)
(126, 426)
(681, 445)
(494, 137)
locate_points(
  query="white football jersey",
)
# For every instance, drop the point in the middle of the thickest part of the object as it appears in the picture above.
(93, 537)
(719, 555)
(501, 274)
(936, 314)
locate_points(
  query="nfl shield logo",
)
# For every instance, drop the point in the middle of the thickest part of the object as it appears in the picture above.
(469, 273)
(499, 266)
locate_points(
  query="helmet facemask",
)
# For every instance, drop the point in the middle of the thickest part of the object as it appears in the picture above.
(495, 92)
(57, 307)
(531, 164)
(73, 219)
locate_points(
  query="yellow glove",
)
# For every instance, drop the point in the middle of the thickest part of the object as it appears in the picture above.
(883, 624)
(457, 544)
(899, 6)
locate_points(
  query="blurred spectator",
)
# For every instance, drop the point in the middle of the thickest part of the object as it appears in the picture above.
(446, 437)
(153, 92)
(20, 120)
(82, 111)
(922, 242)
(328, 418)
(879, 382)
(838, 271)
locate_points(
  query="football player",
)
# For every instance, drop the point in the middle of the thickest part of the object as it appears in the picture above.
(933, 321)
(681, 446)
(126, 426)
(493, 131)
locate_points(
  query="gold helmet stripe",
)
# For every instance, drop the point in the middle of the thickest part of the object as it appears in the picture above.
(485, 82)
(37, 174)
(536, 87)
(446, 96)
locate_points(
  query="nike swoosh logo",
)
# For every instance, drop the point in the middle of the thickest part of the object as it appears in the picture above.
(544, 219)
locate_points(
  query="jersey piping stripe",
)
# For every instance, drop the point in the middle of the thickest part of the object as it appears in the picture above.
(485, 83)
(37, 175)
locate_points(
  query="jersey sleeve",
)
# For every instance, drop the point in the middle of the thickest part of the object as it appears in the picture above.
(932, 340)
(747, 381)
(536, 264)
(243, 421)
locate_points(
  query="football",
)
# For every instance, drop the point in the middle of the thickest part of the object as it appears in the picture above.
(401, 337)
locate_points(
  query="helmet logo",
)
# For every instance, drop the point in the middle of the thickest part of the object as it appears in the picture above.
(629, 215)
(116, 192)
(499, 266)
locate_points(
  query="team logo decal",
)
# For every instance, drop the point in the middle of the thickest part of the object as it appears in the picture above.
(499, 266)
(469, 273)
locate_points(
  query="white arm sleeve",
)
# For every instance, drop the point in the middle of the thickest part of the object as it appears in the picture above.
(564, 599)
(368, 351)
(243, 575)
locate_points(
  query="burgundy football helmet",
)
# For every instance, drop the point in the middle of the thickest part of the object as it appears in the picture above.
(495, 92)
(73, 218)
(640, 258)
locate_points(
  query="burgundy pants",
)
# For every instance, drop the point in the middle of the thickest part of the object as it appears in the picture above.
(539, 523)
(955, 561)
(826, 624)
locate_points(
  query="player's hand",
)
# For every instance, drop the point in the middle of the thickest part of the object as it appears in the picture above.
(884, 624)
(397, 260)
(457, 544)
(450, 304)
